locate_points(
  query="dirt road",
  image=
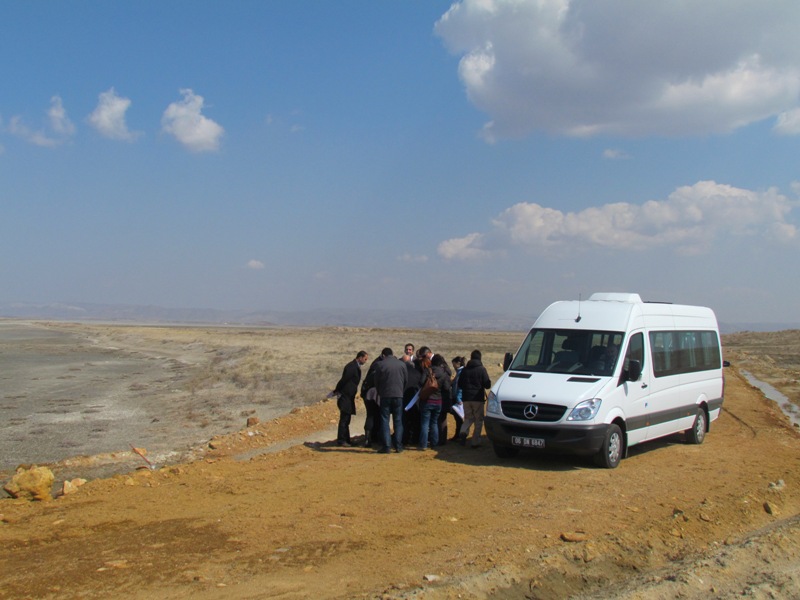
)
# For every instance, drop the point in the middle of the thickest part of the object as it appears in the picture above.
(318, 521)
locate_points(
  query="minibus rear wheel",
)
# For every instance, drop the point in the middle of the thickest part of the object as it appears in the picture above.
(697, 433)
(612, 449)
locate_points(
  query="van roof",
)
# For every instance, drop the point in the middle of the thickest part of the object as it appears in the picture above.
(612, 311)
(616, 297)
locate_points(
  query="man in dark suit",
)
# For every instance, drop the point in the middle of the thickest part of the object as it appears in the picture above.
(390, 381)
(347, 389)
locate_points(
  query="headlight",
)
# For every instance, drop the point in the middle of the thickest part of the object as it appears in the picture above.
(492, 404)
(585, 411)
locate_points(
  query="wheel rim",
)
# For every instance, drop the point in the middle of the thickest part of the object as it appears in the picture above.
(614, 448)
(700, 426)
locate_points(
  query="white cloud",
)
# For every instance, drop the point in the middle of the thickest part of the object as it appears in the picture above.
(587, 67)
(614, 154)
(788, 123)
(466, 248)
(185, 121)
(109, 117)
(687, 222)
(412, 258)
(255, 264)
(57, 131)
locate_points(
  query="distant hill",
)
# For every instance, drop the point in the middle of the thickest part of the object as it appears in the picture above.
(403, 319)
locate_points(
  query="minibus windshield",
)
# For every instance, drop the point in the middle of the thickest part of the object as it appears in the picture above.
(569, 351)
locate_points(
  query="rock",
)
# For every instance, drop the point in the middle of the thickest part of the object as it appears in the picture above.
(574, 536)
(589, 553)
(70, 487)
(252, 421)
(431, 577)
(771, 509)
(32, 484)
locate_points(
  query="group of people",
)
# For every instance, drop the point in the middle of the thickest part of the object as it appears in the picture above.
(407, 399)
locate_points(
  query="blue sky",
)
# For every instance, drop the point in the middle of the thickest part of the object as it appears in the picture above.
(486, 155)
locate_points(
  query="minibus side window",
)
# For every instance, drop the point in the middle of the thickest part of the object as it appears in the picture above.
(635, 351)
(676, 352)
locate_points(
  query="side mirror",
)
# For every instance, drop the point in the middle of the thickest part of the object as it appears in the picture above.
(726, 363)
(507, 360)
(634, 370)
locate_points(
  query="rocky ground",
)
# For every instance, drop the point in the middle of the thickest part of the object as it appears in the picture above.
(273, 512)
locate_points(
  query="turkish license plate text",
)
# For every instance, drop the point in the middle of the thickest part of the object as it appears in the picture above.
(527, 442)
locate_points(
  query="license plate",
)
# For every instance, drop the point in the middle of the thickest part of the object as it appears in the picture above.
(527, 442)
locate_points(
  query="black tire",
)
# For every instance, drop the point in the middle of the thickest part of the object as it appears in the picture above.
(505, 451)
(697, 433)
(612, 449)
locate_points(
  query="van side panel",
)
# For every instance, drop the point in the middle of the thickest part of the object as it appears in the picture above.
(675, 398)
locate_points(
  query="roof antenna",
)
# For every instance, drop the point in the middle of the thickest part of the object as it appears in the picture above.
(578, 318)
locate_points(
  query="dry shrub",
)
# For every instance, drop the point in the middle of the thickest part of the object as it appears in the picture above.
(226, 370)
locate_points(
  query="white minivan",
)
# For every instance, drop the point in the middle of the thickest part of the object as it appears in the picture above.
(596, 377)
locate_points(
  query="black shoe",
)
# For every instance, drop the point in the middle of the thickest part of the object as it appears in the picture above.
(383, 451)
(366, 444)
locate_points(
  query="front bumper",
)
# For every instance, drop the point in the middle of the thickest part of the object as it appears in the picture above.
(574, 439)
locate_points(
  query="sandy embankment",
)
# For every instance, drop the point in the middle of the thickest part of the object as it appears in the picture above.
(317, 521)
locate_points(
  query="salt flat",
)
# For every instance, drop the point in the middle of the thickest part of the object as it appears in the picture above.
(64, 395)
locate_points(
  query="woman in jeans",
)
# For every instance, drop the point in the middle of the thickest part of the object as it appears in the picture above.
(430, 409)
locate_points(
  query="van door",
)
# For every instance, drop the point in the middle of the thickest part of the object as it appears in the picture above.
(635, 394)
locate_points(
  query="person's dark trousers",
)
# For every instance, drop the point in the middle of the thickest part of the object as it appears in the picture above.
(459, 423)
(410, 418)
(377, 428)
(442, 427)
(372, 424)
(410, 424)
(447, 406)
(392, 407)
(343, 436)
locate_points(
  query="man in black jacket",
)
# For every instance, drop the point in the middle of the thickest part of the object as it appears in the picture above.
(390, 381)
(347, 389)
(473, 383)
(373, 430)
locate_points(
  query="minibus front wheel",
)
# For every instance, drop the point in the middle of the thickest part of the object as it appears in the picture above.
(612, 449)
